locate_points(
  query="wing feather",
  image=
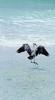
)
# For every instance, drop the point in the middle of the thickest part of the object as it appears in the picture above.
(42, 50)
(21, 49)
(25, 47)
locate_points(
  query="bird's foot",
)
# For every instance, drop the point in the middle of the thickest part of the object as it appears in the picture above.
(34, 62)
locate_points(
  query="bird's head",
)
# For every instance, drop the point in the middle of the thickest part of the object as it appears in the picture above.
(34, 44)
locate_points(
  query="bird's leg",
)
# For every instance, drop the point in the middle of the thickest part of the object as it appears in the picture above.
(34, 61)
(31, 61)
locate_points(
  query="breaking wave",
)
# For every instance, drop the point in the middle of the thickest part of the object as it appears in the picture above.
(16, 41)
(38, 27)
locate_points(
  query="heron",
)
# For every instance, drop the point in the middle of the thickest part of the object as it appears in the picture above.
(33, 53)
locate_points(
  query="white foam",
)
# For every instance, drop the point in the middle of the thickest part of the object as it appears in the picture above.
(14, 42)
(33, 24)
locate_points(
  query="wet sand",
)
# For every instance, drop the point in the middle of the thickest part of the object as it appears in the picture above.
(22, 80)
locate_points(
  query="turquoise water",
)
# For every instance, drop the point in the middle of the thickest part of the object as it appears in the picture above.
(26, 4)
(21, 20)
(28, 26)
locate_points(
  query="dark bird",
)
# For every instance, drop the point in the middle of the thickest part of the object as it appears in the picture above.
(33, 53)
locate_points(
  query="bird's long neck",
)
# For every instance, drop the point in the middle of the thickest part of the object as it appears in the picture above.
(34, 46)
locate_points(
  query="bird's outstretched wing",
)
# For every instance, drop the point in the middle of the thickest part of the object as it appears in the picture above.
(25, 47)
(41, 50)
(21, 49)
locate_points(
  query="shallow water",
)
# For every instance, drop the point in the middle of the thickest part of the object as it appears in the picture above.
(20, 79)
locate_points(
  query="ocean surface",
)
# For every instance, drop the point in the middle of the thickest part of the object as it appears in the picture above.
(27, 21)
(28, 26)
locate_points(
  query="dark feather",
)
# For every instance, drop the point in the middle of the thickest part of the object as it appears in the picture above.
(45, 52)
(42, 50)
(25, 47)
(21, 49)
(29, 51)
(31, 57)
